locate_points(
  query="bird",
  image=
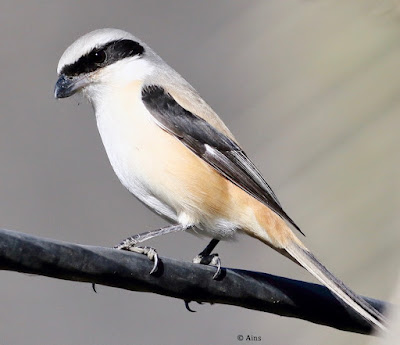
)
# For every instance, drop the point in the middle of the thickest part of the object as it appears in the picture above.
(173, 152)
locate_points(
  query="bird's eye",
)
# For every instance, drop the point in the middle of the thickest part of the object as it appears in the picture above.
(97, 57)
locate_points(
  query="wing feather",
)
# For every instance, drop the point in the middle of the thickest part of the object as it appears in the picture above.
(221, 152)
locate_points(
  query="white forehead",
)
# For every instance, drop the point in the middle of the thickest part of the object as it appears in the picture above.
(88, 42)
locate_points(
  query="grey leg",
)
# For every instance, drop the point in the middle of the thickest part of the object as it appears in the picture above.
(130, 242)
(206, 258)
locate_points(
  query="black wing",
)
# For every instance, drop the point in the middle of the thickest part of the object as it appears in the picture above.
(222, 153)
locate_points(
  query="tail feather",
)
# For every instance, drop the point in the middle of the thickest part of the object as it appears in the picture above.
(311, 264)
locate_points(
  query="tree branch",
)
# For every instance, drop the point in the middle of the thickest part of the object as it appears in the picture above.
(190, 282)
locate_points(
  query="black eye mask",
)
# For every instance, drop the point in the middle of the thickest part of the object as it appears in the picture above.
(103, 56)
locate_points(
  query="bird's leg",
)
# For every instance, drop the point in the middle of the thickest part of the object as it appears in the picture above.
(131, 242)
(144, 236)
(206, 258)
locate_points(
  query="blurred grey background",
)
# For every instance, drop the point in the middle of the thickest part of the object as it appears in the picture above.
(309, 88)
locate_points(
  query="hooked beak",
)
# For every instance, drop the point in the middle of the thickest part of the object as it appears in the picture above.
(67, 86)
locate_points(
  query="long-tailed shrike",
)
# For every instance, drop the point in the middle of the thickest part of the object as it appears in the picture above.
(173, 152)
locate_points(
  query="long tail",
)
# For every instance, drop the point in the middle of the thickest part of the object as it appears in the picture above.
(311, 264)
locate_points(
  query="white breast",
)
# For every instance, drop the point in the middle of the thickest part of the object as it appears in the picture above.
(127, 130)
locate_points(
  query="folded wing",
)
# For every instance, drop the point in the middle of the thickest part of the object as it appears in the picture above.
(222, 153)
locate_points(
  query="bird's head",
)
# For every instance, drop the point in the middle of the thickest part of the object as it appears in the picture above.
(102, 59)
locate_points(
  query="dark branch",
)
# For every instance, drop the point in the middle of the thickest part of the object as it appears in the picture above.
(190, 282)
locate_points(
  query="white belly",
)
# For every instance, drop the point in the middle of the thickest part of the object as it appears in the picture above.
(127, 137)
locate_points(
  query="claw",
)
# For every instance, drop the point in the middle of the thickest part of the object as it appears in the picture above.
(155, 266)
(188, 307)
(94, 287)
(151, 253)
(218, 264)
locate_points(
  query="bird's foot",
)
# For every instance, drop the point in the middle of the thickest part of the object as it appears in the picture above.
(151, 253)
(210, 259)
